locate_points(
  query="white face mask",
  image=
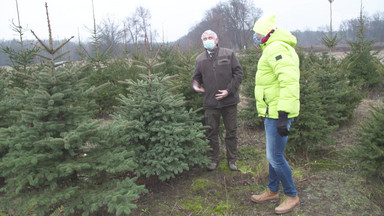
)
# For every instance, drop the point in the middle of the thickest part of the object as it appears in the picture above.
(209, 44)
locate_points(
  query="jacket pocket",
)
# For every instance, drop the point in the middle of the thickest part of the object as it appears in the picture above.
(223, 62)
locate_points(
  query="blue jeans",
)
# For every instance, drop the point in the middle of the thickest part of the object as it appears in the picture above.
(279, 169)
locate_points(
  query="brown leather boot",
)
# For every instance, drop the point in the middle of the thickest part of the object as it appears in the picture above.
(287, 205)
(268, 195)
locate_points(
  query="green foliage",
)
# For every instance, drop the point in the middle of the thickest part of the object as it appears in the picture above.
(166, 138)
(330, 41)
(114, 71)
(248, 62)
(338, 97)
(365, 70)
(311, 127)
(169, 58)
(327, 100)
(185, 68)
(22, 57)
(370, 152)
(6, 106)
(58, 157)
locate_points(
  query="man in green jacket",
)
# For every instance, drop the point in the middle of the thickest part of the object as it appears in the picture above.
(277, 94)
(218, 76)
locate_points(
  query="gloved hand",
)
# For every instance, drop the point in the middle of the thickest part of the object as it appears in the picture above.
(282, 124)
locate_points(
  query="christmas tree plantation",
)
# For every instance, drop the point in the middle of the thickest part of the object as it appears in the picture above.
(58, 157)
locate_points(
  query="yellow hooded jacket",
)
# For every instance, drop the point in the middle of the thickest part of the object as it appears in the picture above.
(277, 86)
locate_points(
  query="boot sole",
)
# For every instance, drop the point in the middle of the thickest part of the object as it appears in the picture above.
(270, 200)
(287, 210)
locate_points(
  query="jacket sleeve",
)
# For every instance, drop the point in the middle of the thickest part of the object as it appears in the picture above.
(285, 64)
(237, 75)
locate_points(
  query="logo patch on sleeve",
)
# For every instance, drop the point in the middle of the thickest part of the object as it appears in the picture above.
(278, 57)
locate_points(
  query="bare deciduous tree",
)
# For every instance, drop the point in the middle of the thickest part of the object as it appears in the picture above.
(138, 27)
(232, 21)
(111, 35)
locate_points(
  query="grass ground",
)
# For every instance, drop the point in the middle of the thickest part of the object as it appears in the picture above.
(328, 182)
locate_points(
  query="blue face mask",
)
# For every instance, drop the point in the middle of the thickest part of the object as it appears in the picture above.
(257, 41)
(209, 44)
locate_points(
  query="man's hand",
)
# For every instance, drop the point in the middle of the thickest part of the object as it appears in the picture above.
(197, 87)
(222, 94)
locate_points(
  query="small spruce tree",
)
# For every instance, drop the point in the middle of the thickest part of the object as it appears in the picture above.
(167, 139)
(370, 152)
(338, 97)
(249, 65)
(21, 58)
(310, 129)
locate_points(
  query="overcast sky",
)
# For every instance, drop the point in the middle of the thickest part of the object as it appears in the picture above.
(171, 18)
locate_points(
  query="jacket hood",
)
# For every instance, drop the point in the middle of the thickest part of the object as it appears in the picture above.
(265, 24)
(282, 35)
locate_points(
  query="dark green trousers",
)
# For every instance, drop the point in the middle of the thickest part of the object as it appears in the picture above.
(212, 119)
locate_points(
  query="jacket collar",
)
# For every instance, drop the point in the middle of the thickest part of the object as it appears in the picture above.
(215, 52)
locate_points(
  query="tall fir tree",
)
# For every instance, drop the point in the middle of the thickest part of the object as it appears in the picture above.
(362, 64)
(58, 157)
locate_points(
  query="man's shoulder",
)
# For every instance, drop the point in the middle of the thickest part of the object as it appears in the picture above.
(201, 56)
(225, 51)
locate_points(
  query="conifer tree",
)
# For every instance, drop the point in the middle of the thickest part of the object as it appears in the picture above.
(338, 97)
(248, 63)
(21, 58)
(185, 69)
(6, 106)
(311, 128)
(370, 151)
(332, 40)
(58, 156)
(364, 67)
(168, 56)
(167, 139)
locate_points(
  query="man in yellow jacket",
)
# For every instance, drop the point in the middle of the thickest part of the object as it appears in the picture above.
(277, 93)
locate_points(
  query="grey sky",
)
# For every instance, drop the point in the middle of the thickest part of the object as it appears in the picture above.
(171, 18)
